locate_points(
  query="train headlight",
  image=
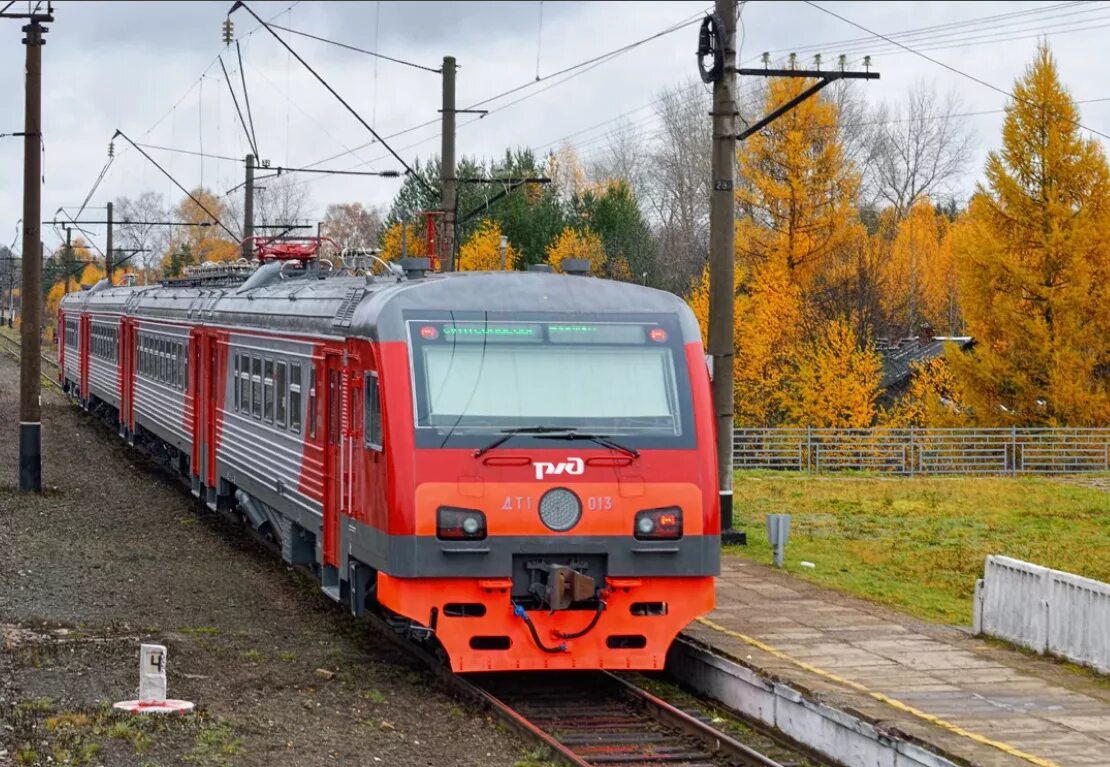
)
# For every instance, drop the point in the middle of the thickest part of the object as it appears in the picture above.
(560, 509)
(460, 524)
(658, 524)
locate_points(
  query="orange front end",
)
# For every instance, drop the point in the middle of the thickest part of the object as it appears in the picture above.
(641, 618)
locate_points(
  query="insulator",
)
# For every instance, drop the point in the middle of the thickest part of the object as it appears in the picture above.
(229, 31)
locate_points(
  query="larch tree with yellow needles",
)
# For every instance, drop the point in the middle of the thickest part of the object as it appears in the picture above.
(1033, 254)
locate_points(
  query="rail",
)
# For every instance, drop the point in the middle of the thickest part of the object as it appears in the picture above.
(915, 451)
(11, 347)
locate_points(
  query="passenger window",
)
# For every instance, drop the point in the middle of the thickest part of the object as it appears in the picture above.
(237, 393)
(295, 397)
(256, 387)
(280, 393)
(373, 413)
(268, 391)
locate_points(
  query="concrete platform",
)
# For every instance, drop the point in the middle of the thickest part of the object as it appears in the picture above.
(966, 699)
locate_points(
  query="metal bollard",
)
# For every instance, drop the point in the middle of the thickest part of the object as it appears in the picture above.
(778, 530)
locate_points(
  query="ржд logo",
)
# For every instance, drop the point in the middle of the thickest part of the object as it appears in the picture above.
(573, 465)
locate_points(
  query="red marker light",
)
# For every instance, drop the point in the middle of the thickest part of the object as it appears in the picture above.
(429, 332)
(658, 335)
(668, 521)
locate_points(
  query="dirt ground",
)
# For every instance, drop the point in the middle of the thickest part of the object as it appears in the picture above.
(114, 553)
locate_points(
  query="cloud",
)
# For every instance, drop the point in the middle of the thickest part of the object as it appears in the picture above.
(136, 66)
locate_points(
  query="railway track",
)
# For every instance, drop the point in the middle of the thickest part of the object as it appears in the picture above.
(11, 347)
(584, 719)
(599, 718)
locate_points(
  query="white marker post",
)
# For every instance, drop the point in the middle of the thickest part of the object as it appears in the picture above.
(152, 686)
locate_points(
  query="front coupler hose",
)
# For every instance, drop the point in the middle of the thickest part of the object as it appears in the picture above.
(589, 626)
(519, 612)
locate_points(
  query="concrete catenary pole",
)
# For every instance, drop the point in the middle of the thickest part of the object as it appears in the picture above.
(722, 265)
(447, 165)
(108, 255)
(248, 210)
(30, 372)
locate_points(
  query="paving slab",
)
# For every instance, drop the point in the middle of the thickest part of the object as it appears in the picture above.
(964, 697)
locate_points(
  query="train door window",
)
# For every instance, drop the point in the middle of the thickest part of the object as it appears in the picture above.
(268, 390)
(295, 397)
(333, 407)
(237, 392)
(256, 387)
(281, 391)
(312, 401)
(373, 413)
(183, 374)
(244, 384)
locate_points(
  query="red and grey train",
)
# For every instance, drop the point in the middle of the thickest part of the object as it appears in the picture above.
(517, 465)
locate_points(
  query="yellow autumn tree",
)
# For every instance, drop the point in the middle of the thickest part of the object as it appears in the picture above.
(698, 299)
(53, 301)
(1033, 253)
(572, 243)
(836, 382)
(482, 251)
(91, 274)
(415, 244)
(919, 274)
(797, 192)
(206, 241)
(768, 332)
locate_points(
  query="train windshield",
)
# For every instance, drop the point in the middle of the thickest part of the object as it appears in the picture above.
(483, 376)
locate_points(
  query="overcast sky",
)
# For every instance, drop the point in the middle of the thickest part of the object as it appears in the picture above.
(138, 66)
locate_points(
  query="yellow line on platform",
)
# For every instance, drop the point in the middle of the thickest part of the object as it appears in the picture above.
(882, 698)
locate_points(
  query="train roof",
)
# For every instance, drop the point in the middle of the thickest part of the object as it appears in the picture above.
(373, 307)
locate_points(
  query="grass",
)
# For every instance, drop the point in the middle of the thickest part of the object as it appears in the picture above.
(919, 544)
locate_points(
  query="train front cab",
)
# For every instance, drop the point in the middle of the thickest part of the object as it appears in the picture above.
(562, 512)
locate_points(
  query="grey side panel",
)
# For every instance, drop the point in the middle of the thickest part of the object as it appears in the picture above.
(410, 556)
(161, 409)
(264, 460)
(104, 379)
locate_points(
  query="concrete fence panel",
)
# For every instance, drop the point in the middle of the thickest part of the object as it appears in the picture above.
(1045, 610)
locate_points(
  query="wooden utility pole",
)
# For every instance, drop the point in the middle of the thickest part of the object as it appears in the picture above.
(248, 211)
(30, 371)
(722, 250)
(108, 249)
(447, 165)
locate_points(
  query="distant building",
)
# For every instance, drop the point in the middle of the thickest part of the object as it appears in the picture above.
(899, 357)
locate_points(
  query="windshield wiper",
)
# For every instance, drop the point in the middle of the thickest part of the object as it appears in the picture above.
(557, 432)
(507, 434)
(601, 439)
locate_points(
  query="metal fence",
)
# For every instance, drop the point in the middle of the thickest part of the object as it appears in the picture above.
(925, 451)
